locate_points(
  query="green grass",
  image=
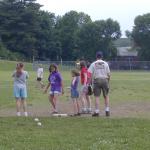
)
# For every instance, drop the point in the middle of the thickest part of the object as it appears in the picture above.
(76, 133)
(124, 87)
(130, 86)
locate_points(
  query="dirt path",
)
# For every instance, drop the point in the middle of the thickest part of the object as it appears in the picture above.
(132, 109)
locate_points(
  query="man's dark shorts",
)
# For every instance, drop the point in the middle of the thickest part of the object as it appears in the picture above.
(101, 85)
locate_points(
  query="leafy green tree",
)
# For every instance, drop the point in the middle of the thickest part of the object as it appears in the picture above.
(67, 29)
(97, 36)
(45, 34)
(25, 28)
(141, 35)
(17, 19)
(29, 31)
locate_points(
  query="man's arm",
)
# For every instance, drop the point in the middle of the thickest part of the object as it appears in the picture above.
(108, 77)
(108, 72)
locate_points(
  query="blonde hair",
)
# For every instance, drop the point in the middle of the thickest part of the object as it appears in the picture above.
(75, 72)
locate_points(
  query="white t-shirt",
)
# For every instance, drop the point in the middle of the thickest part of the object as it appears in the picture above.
(99, 69)
(20, 80)
(40, 72)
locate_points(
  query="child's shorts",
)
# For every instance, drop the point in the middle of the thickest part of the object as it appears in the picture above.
(84, 90)
(74, 93)
(55, 90)
(52, 93)
(20, 92)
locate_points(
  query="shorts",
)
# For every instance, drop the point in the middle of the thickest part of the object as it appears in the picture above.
(74, 93)
(39, 79)
(101, 85)
(52, 93)
(84, 90)
(20, 92)
(55, 90)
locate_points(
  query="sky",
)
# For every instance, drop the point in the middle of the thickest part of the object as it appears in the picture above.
(123, 11)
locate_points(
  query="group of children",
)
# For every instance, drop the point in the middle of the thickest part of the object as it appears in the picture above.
(79, 94)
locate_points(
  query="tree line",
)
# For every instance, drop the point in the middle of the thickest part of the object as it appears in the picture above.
(26, 31)
(140, 35)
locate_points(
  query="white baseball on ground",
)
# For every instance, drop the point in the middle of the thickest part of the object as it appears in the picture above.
(39, 124)
(36, 119)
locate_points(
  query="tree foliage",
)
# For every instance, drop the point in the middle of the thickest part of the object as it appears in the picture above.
(99, 35)
(141, 35)
(29, 31)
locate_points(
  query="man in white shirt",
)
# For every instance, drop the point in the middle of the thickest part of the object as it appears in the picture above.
(40, 72)
(101, 75)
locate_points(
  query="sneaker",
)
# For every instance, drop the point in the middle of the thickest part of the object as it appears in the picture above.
(89, 111)
(95, 115)
(107, 113)
(54, 112)
(25, 114)
(78, 114)
(18, 114)
(84, 111)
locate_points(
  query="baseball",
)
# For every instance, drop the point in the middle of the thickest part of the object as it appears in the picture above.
(36, 119)
(39, 123)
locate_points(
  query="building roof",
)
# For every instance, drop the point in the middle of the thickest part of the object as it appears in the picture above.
(123, 42)
(126, 51)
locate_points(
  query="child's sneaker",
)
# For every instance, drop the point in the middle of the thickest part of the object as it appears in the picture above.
(78, 114)
(55, 112)
(95, 115)
(89, 111)
(84, 111)
(18, 114)
(25, 114)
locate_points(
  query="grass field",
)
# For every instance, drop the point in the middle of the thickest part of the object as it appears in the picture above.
(128, 128)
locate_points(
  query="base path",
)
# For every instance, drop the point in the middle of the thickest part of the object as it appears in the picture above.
(121, 110)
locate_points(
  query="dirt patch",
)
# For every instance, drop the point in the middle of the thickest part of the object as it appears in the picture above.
(132, 109)
(121, 110)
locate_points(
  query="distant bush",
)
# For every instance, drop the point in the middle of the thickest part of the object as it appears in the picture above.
(7, 54)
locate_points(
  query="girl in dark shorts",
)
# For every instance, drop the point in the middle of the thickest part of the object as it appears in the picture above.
(75, 92)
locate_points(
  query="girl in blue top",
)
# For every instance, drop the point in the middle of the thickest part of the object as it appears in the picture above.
(75, 92)
(20, 88)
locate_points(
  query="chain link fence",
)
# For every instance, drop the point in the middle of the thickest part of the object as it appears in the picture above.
(63, 65)
(129, 65)
(114, 65)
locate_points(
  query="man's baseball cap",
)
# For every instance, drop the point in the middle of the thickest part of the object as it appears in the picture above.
(99, 54)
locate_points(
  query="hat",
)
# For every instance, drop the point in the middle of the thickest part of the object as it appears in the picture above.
(99, 54)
